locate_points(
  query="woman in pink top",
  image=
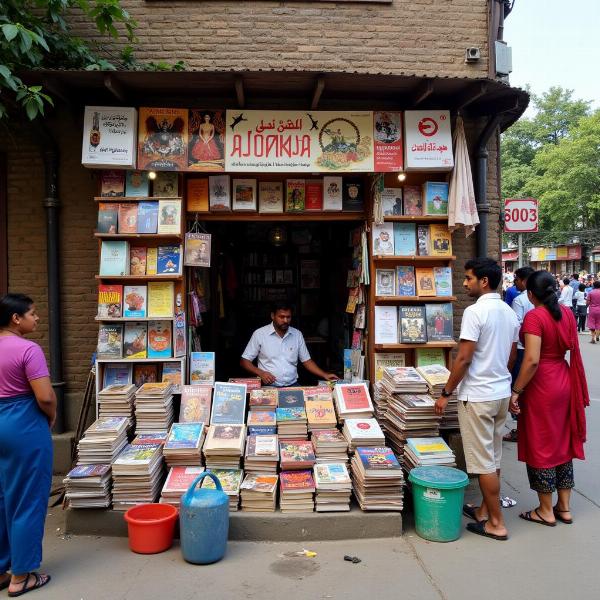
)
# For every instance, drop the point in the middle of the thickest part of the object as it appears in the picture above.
(593, 301)
(27, 412)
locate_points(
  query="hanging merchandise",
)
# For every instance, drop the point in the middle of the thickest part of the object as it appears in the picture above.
(377, 186)
(197, 246)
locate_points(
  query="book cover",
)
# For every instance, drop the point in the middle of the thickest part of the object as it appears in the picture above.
(405, 239)
(134, 301)
(229, 403)
(128, 217)
(197, 250)
(288, 398)
(296, 452)
(141, 455)
(299, 481)
(196, 198)
(202, 367)
(285, 415)
(423, 240)
(195, 405)
(151, 260)
(117, 374)
(110, 341)
(137, 184)
(413, 201)
(405, 281)
(159, 339)
(171, 373)
(137, 260)
(112, 183)
(314, 194)
(443, 280)
(169, 216)
(363, 428)
(377, 459)
(387, 359)
(264, 418)
(439, 322)
(114, 258)
(412, 325)
(180, 479)
(86, 471)
(383, 239)
(244, 194)
(426, 447)
(331, 473)
(252, 383)
(219, 195)
(386, 324)
(354, 397)
(179, 334)
(354, 196)
(206, 140)
(270, 197)
(263, 397)
(391, 202)
(332, 193)
(165, 185)
(147, 221)
(434, 374)
(230, 479)
(184, 436)
(161, 298)
(295, 196)
(262, 445)
(441, 240)
(266, 484)
(110, 301)
(435, 194)
(135, 340)
(108, 217)
(145, 374)
(169, 260)
(163, 139)
(385, 284)
(320, 411)
(425, 281)
(429, 356)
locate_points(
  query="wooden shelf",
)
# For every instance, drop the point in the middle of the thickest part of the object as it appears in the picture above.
(393, 347)
(138, 236)
(134, 198)
(252, 216)
(138, 360)
(401, 299)
(131, 319)
(383, 259)
(417, 219)
(141, 277)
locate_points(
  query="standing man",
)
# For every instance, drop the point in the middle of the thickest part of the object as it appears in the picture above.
(486, 351)
(574, 283)
(566, 294)
(278, 347)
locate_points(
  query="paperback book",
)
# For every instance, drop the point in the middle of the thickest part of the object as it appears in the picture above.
(202, 368)
(137, 260)
(295, 197)
(161, 298)
(134, 340)
(441, 240)
(435, 194)
(385, 282)
(332, 193)
(117, 374)
(219, 195)
(169, 260)
(114, 258)
(147, 221)
(387, 359)
(353, 199)
(110, 301)
(110, 341)
(229, 403)
(405, 281)
(197, 195)
(391, 202)
(429, 356)
(112, 183)
(383, 239)
(134, 304)
(405, 240)
(443, 281)
(386, 324)
(166, 185)
(423, 240)
(108, 217)
(143, 374)
(195, 405)
(270, 197)
(159, 339)
(314, 195)
(137, 184)
(244, 194)
(171, 373)
(425, 281)
(169, 216)
(413, 202)
(197, 249)
(412, 325)
(439, 322)
(128, 215)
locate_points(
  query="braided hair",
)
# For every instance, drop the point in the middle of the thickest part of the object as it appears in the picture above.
(542, 285)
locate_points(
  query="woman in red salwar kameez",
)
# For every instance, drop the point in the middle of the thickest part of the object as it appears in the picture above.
(550, 396)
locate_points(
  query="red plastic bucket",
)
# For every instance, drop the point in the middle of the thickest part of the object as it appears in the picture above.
(151, 527)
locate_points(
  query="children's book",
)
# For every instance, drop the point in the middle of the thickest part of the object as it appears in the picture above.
(435, 194)
(134, 301)
(169, 260)
(160, 339)
(110, 301)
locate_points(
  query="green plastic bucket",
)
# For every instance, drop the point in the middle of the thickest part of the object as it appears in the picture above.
(438, 495)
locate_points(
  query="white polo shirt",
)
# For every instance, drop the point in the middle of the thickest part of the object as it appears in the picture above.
(278, 355)
(494, 326)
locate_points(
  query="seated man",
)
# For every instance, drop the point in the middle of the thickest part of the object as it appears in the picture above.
(278, 347)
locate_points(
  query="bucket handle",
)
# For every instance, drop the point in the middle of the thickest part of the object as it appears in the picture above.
(199, 480)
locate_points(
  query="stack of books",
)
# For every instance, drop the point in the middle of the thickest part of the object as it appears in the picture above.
(137, 475)
(224, 446)
(291, 424)
(296, 455)
(155, 437)
(154, 407)
(363, 432)
(296, 491)
(436, 377)
(263, 399)
(330, 446)
(352, 401)
(334, 487)
(231, 480)
(116, 400)
(403, 380)
(88, 486)
(103, 441)
(377, 479)
(184, 444)
(421, 452)
(291, 397)
(262, 454)
(259, 493)
(178, 482)
(320, 414)
(262, 422)
(380, 403)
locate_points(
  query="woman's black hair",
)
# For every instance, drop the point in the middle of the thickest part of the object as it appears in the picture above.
(581, 287)
(543, 286)
(12, 304)
(597, 284)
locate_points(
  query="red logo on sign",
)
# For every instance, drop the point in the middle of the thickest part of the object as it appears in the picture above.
(428, 127)
(363, 426)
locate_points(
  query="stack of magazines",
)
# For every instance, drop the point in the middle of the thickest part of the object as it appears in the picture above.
(262, 454)
(334, 487)
(88, 486)
(184, 444)
(116, 400)
(154, 407)
(363, 432)
(230, 480)
(103, 441)
(436, 377)
(330, 446)
(259, 493)
(422, 452)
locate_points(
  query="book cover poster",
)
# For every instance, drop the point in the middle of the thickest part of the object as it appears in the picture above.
(405, 239)
(229, 403)
(388, 142)
(197, 250)
(159, 339)
(202, 368)
(333, 193)
(385, 284)
(134, 297)
(112, 183)
(405, 281)
(244, 194)
(383, 239)
(206, 134)
(219, 195)
(435, 194)
(428, 139)
(147, 221)
(163, 139)
(439, 322)
(134, 340)
(391, 202)
(413, 201)
(137, 184)
(295, 197)
(412, 325)
(425, 281)
(197, 195)
(270, 197)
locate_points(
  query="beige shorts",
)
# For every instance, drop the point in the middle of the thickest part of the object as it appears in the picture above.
(481, 428)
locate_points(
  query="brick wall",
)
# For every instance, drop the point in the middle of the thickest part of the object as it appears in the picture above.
(419, 37)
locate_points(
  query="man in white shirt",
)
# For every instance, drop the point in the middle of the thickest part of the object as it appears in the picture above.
(278, 348)
(566, 294)
(486, 352)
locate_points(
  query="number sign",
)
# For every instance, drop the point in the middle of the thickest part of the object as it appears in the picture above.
(520, 215)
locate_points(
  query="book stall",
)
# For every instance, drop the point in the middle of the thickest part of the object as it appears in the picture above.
(207, 217)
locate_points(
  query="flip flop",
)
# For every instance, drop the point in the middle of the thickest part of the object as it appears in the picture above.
(469, 512)
(39, 582)
(511, 436)
(479, 528)
(507, 502)
(562, 519)
(526, 516)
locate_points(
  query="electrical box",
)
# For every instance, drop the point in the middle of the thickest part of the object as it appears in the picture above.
(503, 58)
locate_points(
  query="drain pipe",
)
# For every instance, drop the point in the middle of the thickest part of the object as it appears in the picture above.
(51, 202)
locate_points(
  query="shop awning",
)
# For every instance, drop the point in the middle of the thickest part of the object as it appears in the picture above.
(284, 89)
(512, 255)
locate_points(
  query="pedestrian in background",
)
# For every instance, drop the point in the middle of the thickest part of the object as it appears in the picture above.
(574, 283)
(593, 319)
(580, 307)
(566, 294)
(27, 412)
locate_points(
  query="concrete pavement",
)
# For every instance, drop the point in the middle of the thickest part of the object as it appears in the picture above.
(536, 563)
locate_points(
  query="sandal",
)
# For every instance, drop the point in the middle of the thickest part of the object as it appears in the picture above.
(507, 502)
(469, 511)
(562, 519)
(511, 436)
(526, 516)
(479, 528)
(39, 582)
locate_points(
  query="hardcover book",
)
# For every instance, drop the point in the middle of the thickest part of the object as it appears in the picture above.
(443, 280)
(314, 195)
(391, 202)
(197, 195)
(387, 359)
(385, 284)
(110, 301)
(386, 324)
(137, 260)
(413, 202)
(405, 281)
(423, 240)
(439, 322)
(196, 402)
(137, 184)
(219, 192)
(134, 301)
(229, 403)
(197, 249)
(147, 221)
(332, 193)
(202, 368)
(436, 197)
(169, 216)
(152, 259)
(169, 260)
(270, 197)
(128, 217)
(441, 240)
(159, 339)
(114, 258)
(117, 374)
(295, 198)
(110, 341)
(383, 239)
(161, 299)
(405, 239)
(412, 325)
(108, 217)
(134, 340)
(112, 183)
(144, 374)
(244, 194)
(163, 139)
(288, 398)
(425, 281)
(353, 199)
(166, 185)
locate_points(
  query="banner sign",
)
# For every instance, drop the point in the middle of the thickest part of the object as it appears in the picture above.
(521, 215)
(562, 253)
(299, 141)
(388, 142)
(574, 252)
(428, 140)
